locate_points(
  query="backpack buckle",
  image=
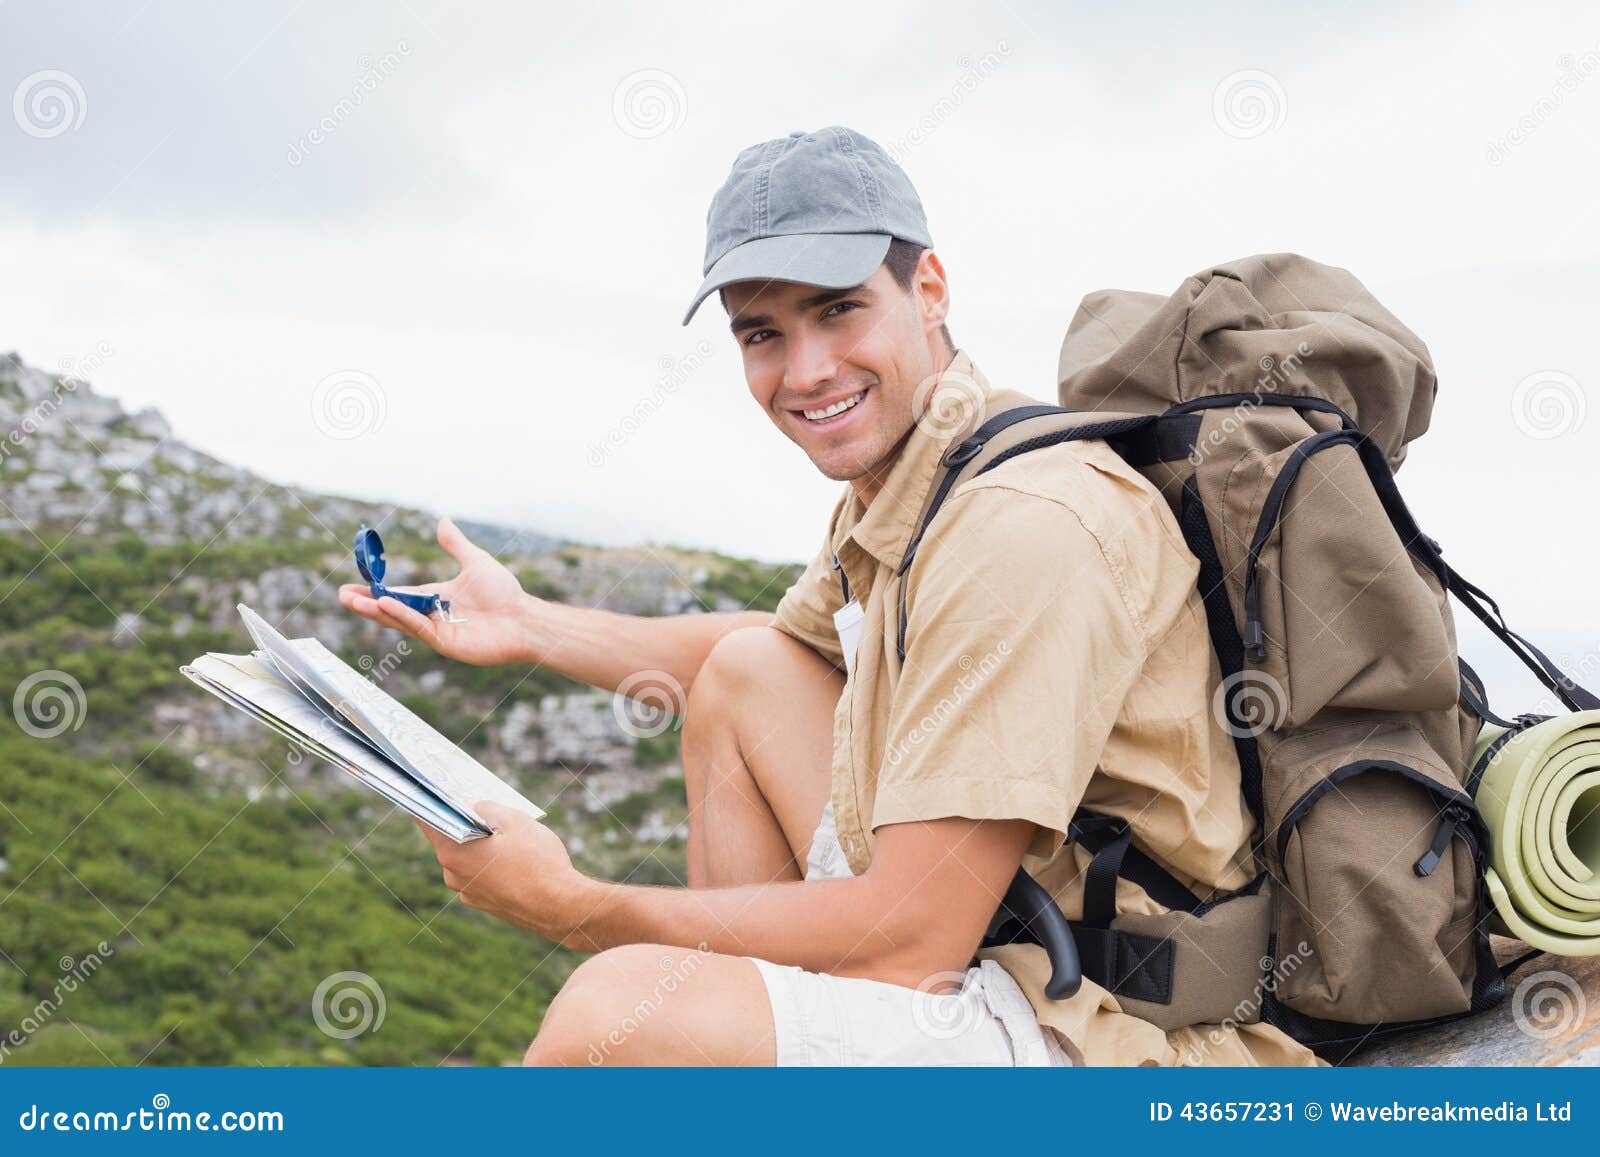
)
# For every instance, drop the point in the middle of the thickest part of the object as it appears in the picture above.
(962, 452)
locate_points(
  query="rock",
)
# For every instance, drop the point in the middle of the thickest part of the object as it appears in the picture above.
(655, 828)
(520, 733)
(74, 461)
(1551, 1016)
(581, 731)
(148, 423)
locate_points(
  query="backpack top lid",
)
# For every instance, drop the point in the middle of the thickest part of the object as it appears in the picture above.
(1277, 323)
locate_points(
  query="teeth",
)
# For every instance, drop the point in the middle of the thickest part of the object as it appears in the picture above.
(836, 408)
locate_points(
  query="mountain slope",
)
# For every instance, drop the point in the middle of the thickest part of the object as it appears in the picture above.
(221, 876)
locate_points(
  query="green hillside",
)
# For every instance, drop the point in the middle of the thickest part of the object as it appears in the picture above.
(227, 877)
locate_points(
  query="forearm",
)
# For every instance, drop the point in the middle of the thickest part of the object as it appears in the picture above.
(919, 908)
(603, 648)
(847, 927)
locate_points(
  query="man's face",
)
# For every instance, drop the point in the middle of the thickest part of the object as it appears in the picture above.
(837, 370)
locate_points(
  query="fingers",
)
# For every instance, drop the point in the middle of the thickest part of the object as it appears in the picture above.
(350, 593)
(456, 544)
(368, 607)
(357, 599)
(437, 839)
(413, 623)
(444, 848)
(496, 815)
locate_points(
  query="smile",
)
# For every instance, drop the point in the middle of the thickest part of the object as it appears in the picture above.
(834, 410)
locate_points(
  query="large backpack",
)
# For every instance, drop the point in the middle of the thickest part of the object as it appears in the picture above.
(1270, 400)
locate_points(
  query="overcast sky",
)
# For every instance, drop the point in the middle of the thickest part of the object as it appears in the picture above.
(438, 253)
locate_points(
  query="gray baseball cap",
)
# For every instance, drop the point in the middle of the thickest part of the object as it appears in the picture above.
(819, 208)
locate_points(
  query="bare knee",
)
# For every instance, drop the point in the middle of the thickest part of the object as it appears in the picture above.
(598, 1010)
(756, 665)
(739, 663)
(739, 658)
(649, 1004)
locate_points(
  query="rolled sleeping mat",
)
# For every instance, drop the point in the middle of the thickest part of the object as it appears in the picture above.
(1540, 798)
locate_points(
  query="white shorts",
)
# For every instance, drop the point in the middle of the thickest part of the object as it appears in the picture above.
(820, 1019)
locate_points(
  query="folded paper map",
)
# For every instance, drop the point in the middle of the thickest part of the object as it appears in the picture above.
(310, 696)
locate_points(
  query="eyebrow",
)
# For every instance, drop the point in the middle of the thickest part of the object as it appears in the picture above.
(827, 297)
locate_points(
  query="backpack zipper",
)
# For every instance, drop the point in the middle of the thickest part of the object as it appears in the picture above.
(1452, 817)
(1457, 808)
(1400, 519)
(1255, 646)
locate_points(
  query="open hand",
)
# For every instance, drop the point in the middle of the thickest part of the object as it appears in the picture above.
(485, 595)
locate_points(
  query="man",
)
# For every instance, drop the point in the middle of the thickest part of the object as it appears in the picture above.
(854, 822)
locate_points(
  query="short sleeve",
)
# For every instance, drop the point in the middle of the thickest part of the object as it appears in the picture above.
(1022, 642)
(806, 610)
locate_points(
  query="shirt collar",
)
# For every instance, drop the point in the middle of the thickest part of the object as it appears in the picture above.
(952, 407)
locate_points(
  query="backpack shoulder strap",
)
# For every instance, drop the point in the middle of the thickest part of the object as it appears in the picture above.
(1120, 961)
(1139, 438)
(1573, 695)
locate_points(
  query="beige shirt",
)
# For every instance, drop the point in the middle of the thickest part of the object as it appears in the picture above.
(1056, 654)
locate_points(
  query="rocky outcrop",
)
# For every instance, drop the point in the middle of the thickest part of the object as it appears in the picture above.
(74, 460)
(76, 466)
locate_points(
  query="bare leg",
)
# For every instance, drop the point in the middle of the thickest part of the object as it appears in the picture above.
(757, 757)
(650, 1004)
(757, 761)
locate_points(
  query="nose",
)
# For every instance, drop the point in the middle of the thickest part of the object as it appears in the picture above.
(811, 362)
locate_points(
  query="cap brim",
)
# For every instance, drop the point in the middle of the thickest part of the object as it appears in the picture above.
(828, 260)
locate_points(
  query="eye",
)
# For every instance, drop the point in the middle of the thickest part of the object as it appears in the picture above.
(843, 306)
(757, 337)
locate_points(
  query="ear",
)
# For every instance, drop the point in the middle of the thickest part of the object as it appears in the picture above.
(932, 291)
